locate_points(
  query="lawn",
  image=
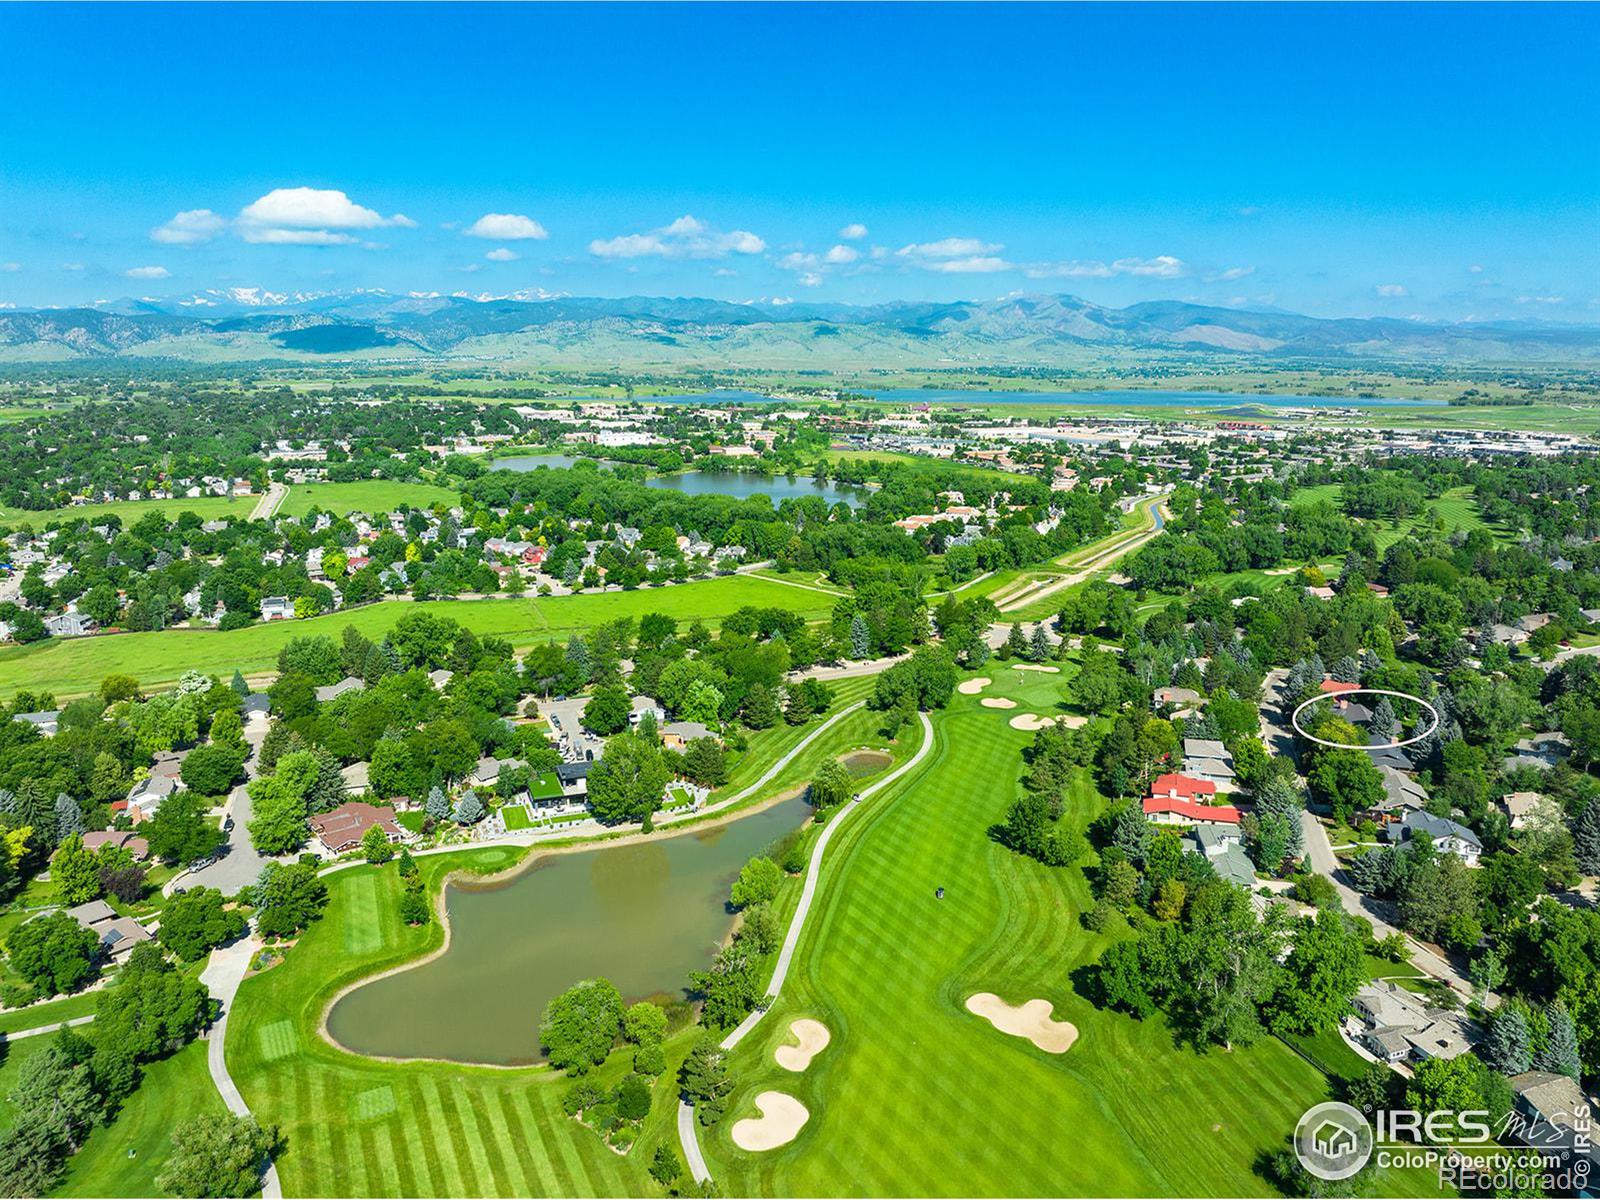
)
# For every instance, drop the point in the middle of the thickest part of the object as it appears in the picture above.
(915, 1096)
(76, 665)
(544, 786)
(368, 496)
(208, 507)
(515, 816)
(363, 1127)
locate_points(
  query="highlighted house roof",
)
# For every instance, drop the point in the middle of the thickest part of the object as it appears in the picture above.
(1191, 810)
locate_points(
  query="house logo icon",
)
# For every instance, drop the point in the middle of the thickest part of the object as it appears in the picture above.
(1333, 1141)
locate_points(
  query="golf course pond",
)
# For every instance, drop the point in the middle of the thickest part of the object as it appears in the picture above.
(642, 914)
(741, 485)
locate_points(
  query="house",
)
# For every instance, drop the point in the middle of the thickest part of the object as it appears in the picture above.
(1449, 837)
(440, 678)
(333, 691)
(44, 722)
(1335, 687)
(1519, 806)
(485, 773)
(1165, 811)
(1182, 787)
(1176, 695)
(342, 828)
(1551, 1113)
(1384, 753)
(1208, 759)
(357, 777)
(277, 608)
(146, 797)
(574, 777)
(132, 843)
(69, 624)
(118, 935)
(643, 705)
(679, 734)
(1541, 751)
(1401, 1025)
(1402, 794)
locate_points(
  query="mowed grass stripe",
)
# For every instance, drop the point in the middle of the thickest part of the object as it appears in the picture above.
(553, 1176)
(446, 1155)
(524, 1142)
(490, 1148)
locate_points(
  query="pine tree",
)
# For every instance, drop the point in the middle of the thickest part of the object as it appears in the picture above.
(69, 817)
(1560, 1050)
(469, 809)
(1131, 833)
(438, 807)
(1039, 644)
(1586, 838)
(579, 659)
(1016, 645)
(860, 638)
(37, 810)
(239, 686)
(1347, 670)
(1382, 725)
(1506, 1049)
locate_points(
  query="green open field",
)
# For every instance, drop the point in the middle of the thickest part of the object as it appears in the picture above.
(74, 666)
(208, 507)
(1457, 508)
(369, 496)
(916, 1096)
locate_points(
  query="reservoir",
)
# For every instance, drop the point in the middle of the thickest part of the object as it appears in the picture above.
(738, 484)
(642, 915)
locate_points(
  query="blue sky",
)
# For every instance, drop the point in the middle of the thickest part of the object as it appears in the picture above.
(1429, 160)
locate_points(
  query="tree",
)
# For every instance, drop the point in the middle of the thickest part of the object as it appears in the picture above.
(279, 823)
(703, 1081)
(179, 832)
(1039, 644)
(75, 872)
(860, 637)
(1440, 903)
(1586, 838)
(1560, 1050)
(665, 1166)
(197, 921)
(1321, 974)
(469, 809)
(1346, 781)
(627, 782)
(1445, 1085)
(608, 710)
(832, 784)
(211, 770)
(580, 1025)
(438, 806)
(375, 846)
(760, 709)
(1507, 1047)
(53, 953)
(288, 897)
(153, 1010)
(69, 816)
(706, 762)
(757, 883)
(218, 1154)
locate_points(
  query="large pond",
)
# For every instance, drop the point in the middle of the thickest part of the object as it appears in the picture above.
(737, 484)
(642, 915)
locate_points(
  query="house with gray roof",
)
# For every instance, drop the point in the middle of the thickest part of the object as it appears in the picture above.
(1449, 837)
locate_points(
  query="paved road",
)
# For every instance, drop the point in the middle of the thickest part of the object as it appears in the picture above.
(687, 1135)
(1116, 546)
(40, 1030)
(240, 866)
(271, 500)
(851, 670)
(222, 976)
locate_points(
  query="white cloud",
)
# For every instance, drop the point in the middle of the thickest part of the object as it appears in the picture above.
(10, 268)
(1541, 300)
(687, 237)
(1163, 266)
(189, 228)
(506, 227)
(1249, 210)
(853, 232)
(810, 279)
(72, 266)
(950, 247)
(502, 255)
(798, 260)
(1476, 268)
(841, 255)
(302, 216)
(977, 264)
(147, 273)
(1392, 291)
(1230, 274)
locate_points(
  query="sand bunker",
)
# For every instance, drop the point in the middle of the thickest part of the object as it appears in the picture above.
(1031, 722)
(1031, 1020)
(813, 1037)
(780, 1122)
(1035, 667)
(1280, 571)
(971, 687)
(997, 702)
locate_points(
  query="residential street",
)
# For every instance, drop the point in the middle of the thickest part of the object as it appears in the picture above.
(240, 865)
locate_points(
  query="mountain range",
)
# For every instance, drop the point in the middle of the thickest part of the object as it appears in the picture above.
(644, 332)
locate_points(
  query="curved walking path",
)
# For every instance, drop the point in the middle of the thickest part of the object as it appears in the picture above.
(1111, 549)
(222, 977)
(41, 1030)
(688, 1138)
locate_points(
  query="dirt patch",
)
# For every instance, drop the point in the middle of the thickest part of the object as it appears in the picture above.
(1031, 1020)
(861, 763)
(813, 1037)
(971, 687)
(1036, 667)
(997, 702)
(782, 1117)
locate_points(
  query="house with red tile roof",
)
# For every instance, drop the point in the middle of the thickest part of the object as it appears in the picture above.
(1181, 787)
(1166, 811)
